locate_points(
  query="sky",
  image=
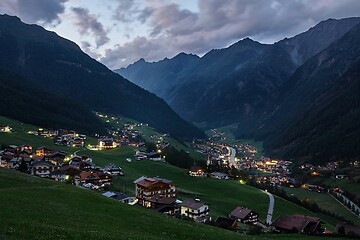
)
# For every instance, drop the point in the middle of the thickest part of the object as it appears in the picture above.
(120, 32)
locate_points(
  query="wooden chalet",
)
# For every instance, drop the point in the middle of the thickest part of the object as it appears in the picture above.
(244, 215)
(298, 224)
(146, 188)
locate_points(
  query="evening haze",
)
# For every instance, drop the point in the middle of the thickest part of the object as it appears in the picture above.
(119, 32)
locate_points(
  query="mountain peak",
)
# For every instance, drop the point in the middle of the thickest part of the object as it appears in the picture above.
(9, 17)
(140, 60)
(246, 42)
(185, 55)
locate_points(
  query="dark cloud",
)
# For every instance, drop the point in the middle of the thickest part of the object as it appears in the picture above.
(34, 11)
(88, 24)
(125, 10)
(219, 23)
(145, 14)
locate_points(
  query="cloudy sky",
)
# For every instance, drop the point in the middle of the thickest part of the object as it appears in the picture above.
(119, 32)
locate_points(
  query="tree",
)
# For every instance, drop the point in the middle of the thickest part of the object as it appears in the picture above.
(150, 146)
(23, 166)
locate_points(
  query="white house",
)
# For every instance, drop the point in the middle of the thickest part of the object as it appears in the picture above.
(42, 168)
(195, 210)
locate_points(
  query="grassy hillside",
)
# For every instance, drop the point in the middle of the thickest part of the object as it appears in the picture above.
(44, 209)
(324, 200)
(223, 196)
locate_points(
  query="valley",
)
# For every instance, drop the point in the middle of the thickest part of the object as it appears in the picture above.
(170, 120)
(232, 192)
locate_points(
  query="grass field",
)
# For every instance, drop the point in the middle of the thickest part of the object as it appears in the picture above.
(325, 201)
(342, 183)
(223, 196)
(21, 136)
(34, 208)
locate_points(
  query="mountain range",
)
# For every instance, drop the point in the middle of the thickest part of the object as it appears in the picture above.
(298, 95)
(52, 67)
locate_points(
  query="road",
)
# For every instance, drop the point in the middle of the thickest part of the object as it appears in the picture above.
(271, 208)
(232, 156)
(76, 152)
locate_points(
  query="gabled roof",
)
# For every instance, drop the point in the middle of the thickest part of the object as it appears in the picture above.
(164, 180)
(106, 139)
(45, 148)
(146, 181)
(109, 194)
(192, 204)
(299, 222)
(196, 168)
(158, 198)
(240, 212)
(139, 179)
(89, 176)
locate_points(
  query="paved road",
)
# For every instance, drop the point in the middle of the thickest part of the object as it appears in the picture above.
(232, 156)
(271, 208)
(76, 152)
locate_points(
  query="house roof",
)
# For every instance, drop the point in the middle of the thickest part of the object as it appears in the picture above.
(106, 140)
(146, 181)
(192, 204)
(219, 174)
(164, 180)
(45, 148)
(158, 198)
(89, 175)
(109, 194)
(139, 179)
(195, 168)
(240, 212)
(295, 221)
(62, 154)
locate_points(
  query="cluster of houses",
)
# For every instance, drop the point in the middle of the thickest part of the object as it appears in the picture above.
(47, 163)
(160, 195)
(127, 136)
(153, 156)
(5, 128)
(196, 171)
(311, 169)
(62, 136)
(276, 180)
(279, 167)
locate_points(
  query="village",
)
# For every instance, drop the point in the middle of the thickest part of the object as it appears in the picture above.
(153, 193)
(224, 162)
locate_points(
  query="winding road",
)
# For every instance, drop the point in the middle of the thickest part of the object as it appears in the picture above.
(271, 208)
(232, 156)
